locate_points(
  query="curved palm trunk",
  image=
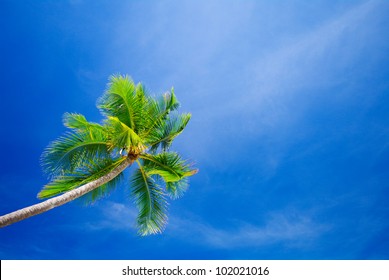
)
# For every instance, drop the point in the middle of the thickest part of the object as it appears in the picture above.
(51, 203)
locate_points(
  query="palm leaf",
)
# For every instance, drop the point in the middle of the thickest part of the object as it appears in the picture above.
(82, 175)
(164, 134)
(75, 121)
(168, 165)
(172, 169)
(151, 202)
(141, 118)
(78, 123)
(124, 101)
(170, 101)
(177, 189)
(103, 191)
(122, 136)
(158, 111)
(70, 150)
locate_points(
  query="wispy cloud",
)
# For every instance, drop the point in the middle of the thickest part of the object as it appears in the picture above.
(114, 216)
(293, 229)
(283, 84)
(311, 59)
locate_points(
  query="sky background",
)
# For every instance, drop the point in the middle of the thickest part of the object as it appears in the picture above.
(289, 129)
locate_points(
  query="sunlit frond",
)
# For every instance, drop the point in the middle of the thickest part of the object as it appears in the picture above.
(151, 202)
(75, 121)
(72, 149)
(168, 165)
(123, 100)
(172, 169)
(78, 123)
(122, 136)
(89, 172)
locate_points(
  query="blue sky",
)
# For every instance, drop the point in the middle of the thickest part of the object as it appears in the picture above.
(289, 103)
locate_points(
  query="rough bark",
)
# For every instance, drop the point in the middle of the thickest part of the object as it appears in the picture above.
(51, 203)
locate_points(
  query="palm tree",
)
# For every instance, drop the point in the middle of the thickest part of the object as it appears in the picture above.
(89, 160)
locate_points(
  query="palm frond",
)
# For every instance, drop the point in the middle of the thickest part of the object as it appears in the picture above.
(123, 100)
(172, 169)
(78, 122)
(89, 172)
(163, 135)
(61, 184)
(169, 101)
(162, 106)
(103, 190)
(151, 203)
(168, 165)
(122, 136)
(72, 149)
(177, 189)
(157, 111)
(75, 121)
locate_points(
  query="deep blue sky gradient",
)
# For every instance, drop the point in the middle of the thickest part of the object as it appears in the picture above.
(290, 125)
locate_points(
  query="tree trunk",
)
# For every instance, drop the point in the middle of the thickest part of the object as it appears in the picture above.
(51, 203)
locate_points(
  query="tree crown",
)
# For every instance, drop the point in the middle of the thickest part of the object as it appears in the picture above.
(135, 125)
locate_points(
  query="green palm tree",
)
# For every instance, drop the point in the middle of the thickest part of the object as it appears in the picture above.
(89, 160)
